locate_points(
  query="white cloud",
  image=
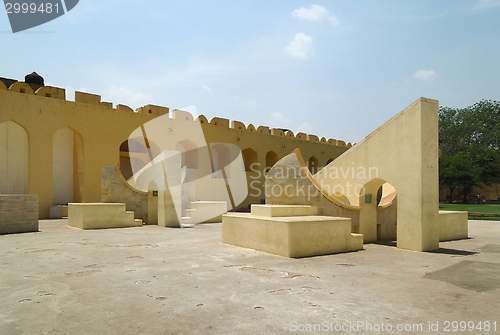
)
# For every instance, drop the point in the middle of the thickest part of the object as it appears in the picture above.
(127, 96)
(305, 127)
(300, 47)
(425, 74)
(278, 119)
(315, 13)
(482, 4)
(206, 88)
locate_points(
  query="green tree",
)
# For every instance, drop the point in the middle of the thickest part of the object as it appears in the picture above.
(474, 126)
(488, 159)
(459, 172)
(469, 140)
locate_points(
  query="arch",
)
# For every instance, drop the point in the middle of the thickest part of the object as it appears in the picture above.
(250, 157)
(251, 128)
(67, 166)
(3, 87)
(387, 195)
(134, 155)
(323, 140)
(14, 158)
(189, 153)
(271, 159)
(313, 164)
(21, 87)
(221, 160)
(51, 92)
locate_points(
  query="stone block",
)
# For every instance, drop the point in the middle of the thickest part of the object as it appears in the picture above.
(453, 225)
(101, 216)
(18, 214)
(298, 236)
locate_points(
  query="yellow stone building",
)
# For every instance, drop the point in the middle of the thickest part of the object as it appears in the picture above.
(56, 148)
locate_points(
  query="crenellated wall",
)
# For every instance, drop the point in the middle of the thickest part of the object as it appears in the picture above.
(99, 129)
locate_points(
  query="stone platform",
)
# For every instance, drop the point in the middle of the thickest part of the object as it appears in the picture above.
(290, 231)
(101, 216)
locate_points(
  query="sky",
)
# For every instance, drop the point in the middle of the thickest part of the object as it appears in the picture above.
(337, 69)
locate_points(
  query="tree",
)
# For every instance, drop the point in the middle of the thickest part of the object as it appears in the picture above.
(469, 141)
(474, 126)
(459, 172)
(489, 160)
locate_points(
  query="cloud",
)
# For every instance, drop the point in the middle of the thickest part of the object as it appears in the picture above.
(305, 127)
(206, 89)
(425, 74)
(300, 47)
(483, 4)
(278, 118)
(127, 96)
(316, 13)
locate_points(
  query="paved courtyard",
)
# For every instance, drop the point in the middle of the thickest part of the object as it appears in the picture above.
(154, 280)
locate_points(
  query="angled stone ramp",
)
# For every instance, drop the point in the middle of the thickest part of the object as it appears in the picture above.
(403, 152)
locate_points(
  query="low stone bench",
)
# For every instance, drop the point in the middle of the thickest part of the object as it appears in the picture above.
(289, 231)
(101, 216)
(453, 225)
(18, 213)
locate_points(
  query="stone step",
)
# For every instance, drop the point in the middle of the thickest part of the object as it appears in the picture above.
(283, 210)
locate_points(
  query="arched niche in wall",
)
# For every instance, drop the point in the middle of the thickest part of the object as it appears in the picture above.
(312, 164)
(14, 157)
(189, 153)
(221, 160)
(67, 166)
(250, 157)
(271, 159)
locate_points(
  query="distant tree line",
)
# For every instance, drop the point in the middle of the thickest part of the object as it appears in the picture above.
(469, 141)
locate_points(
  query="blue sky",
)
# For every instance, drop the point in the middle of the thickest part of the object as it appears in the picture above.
(337, 69)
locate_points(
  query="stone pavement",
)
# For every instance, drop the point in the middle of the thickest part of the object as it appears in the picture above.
(154, 280)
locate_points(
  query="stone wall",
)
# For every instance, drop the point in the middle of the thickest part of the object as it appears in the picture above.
(114, 190)
(18, 213)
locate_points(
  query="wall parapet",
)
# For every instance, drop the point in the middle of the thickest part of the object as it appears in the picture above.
(154, 110)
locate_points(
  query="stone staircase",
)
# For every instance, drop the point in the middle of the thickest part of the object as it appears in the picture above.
(203, 211)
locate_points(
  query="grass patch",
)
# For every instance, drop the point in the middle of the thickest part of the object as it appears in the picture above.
(492, 210)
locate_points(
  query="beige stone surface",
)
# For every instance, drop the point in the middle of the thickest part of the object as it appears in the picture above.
(283, 210)
(114, 189)
(158, 281)
(100, 216)
(290, 236)
(18, 213)
(204, 212)
(453, 225)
